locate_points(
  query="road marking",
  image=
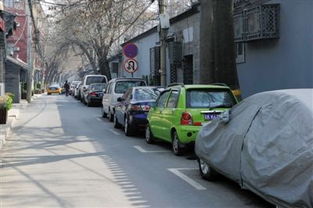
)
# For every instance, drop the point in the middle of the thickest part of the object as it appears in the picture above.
(99, 119)
(114, 132)
(142, 150)
(177, 172)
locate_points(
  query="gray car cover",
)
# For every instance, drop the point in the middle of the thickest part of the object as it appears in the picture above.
(267, 146)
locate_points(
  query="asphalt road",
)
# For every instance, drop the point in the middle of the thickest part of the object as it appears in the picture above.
(63, 154)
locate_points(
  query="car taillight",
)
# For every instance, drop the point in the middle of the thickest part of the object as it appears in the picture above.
(145, 107)
(135, 107)
(93, 94)
(186, 119)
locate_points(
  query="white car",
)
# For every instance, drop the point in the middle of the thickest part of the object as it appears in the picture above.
(73, 86)
(115, 89)
(77, 91)
(90, 79)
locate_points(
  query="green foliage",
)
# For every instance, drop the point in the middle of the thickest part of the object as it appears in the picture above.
(10, 95)
(6, 102)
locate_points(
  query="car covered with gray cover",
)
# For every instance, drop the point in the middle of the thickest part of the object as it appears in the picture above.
(266, 145)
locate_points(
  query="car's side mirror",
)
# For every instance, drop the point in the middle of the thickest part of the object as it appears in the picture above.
(120, 99)
(225, 116)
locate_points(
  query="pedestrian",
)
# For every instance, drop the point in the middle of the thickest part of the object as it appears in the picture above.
(67, 88)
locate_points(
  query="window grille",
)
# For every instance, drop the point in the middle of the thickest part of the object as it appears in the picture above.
(261, 22)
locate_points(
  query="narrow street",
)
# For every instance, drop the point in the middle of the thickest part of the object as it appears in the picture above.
(64, 154)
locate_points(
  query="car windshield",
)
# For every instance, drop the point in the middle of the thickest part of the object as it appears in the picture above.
(122, 86)
(91, 80)
(146, 94)
(97, 87)
(54, 86)
(209, 98)
(74, 84)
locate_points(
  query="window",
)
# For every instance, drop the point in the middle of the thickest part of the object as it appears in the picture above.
(209, 98)
(97, 87)
(162, 99)
(240, 53)
(145, 94)
(172, 101)
(188, 34)
(91, 80)
(257, 23)
(122, 86)
(9, 3)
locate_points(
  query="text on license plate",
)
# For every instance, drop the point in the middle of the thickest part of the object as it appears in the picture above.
(211, 116)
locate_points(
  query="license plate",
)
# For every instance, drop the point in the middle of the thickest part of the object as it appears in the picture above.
(211, 116)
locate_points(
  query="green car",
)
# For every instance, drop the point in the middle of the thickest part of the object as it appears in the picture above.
(181, 110)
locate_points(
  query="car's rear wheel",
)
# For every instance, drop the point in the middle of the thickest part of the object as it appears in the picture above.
(149, 136)
(176, 145)
(206, 171)
(127, 128)
(116, 124)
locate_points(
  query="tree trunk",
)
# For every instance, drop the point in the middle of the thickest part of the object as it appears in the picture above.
(217, 48)
(224, 46)
(104, 67)
(206, 40)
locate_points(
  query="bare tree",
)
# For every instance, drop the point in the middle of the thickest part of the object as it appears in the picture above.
(94, 26)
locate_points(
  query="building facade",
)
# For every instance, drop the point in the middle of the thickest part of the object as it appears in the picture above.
(17, 46)
(274, 46)
(280, 55)
(183, 50)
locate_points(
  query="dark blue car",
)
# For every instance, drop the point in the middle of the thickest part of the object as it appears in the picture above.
(132, 109)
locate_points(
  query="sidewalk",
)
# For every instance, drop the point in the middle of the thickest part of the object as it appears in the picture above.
(14, 113)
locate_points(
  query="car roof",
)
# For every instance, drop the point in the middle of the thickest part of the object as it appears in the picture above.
(199, 86)
(98, 84)
(95, 75)
(140, 87)
(126, 79)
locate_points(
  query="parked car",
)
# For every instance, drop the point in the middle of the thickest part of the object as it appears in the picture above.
(90, 79)
(132, 108)
(77, 91)
(115, 89)
(94, 94)
(181, 110)
(54, 88)
(73, 86)
(265, 144)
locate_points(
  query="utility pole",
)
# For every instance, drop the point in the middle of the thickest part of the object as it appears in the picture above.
(164, 26)
(2, 66)
(29, 53)
(2, 52)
